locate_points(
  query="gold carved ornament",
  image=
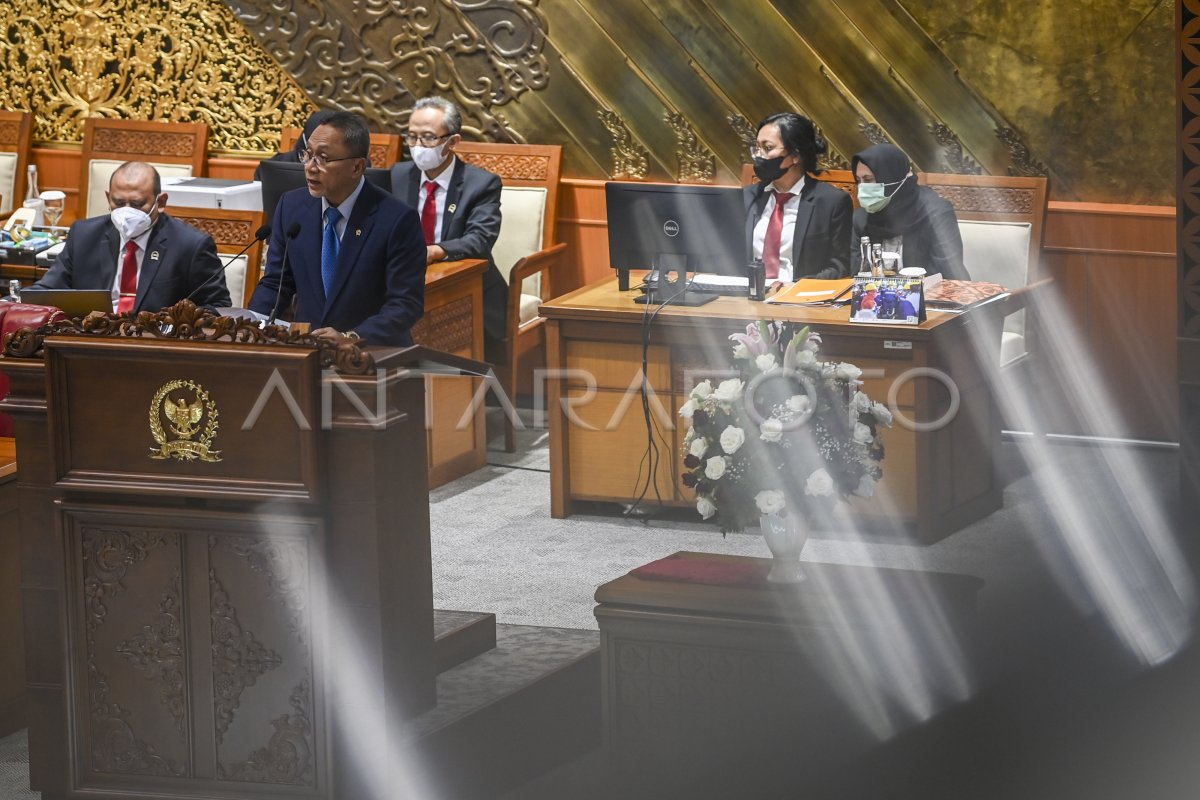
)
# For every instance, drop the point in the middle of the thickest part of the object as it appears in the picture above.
(183, 420)
(183, 61)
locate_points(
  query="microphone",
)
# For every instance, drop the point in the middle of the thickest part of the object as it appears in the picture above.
(292, 233)
(262, 233)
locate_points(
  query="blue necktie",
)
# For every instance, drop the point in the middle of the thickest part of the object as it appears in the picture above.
(330, 246)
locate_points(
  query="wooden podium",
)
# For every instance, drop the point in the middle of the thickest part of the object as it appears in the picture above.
(225, 560)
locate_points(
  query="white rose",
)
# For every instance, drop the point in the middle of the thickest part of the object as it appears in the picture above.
(866, 486)
(881, 413)
(798, 403)
(702, 390)
(765, 362)
(732, 438)
(862, 433)
(705, 507)
(805, 358)
(687, 409)
(819, 484)
(861, 403)
(741, 351)
(848, 372)
(728, 391)
(771, 430)
(699, 445)
(714, 468)
(769, 501)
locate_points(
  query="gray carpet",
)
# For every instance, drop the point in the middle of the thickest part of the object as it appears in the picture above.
(496, 548)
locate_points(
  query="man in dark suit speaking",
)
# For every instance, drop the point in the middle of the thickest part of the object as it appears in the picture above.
(148, 259)
(355, 255)
(459, 204)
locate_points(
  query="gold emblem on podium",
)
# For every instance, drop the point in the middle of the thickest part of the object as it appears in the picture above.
(183, 421)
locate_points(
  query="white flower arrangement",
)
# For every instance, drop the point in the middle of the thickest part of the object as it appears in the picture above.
(818, 434)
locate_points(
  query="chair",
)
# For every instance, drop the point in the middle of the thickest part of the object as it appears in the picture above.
(13, 317)
(176, 149)
(525, 252)
(1000, 219)
(385, 147)
(232, 230)
(16, 129)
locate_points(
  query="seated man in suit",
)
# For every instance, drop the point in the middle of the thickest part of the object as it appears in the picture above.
(459, 204)
(355, 256)
(148, 259)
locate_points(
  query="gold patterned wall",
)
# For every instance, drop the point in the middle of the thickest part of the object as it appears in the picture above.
(183, 60)
(659, 89)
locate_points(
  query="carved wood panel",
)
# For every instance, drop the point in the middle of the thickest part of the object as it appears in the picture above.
(198, 649)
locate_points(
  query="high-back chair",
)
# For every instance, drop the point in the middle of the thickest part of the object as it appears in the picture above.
(525, 252)
(175, 149)
(15, 132)
(1000, 219)
(384, 151)
(232, 230)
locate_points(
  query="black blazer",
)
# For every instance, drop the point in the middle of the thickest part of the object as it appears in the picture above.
(470, 226)
(180, 262)
(379, 289)
(821, 242)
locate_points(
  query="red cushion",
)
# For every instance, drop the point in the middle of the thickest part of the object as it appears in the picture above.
(14, 316)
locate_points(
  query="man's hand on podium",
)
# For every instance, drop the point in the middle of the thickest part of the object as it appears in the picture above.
(336, 337)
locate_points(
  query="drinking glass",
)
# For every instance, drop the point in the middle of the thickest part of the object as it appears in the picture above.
(54, 203)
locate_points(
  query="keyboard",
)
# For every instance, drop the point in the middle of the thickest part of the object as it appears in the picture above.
(706, 283)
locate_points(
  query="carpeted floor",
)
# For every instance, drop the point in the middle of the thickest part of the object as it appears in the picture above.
(496, 548)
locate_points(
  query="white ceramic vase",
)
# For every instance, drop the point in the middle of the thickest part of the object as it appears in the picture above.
(785, 537)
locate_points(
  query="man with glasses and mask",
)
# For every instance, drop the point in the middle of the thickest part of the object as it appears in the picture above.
(799, 226)
(355, 254)
(459, 204)
(147, 258)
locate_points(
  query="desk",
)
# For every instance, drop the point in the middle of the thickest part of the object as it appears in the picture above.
(934, 481)
(12, 650)
(453, 323)
(734, 687)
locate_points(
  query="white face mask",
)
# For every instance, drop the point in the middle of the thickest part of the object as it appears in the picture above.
(427, 158)
(131, 222)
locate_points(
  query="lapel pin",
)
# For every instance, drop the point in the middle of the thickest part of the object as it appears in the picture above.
(358, 231)
(451, 207)
(154, 255)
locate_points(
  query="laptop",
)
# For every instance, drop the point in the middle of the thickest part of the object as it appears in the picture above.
(73, 302)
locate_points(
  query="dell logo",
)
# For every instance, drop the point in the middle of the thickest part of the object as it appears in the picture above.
(671, 228)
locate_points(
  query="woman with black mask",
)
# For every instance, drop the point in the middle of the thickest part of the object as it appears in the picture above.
(904, 217)
(798, 225)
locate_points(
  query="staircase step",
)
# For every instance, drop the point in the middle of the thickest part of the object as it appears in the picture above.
(459, 636)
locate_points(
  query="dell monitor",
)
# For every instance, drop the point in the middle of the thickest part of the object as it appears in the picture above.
(675, 227)
(282, 176)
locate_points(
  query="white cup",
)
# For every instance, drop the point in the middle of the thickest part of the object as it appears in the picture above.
(912, 272)
(39, 216)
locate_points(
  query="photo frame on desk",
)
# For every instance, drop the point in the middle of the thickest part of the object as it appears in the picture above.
(892, 301)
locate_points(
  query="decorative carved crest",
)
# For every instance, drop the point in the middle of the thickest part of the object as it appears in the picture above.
(952, 150)
(1024, 164)
(511, 166)
(630, 159)
(697, 164)
(185, 320)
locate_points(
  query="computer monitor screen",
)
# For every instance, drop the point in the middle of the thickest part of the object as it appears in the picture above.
(282, 176)
(670, 226)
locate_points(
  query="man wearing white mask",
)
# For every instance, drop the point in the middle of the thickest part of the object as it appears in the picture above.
(148, 259)
(459, 204)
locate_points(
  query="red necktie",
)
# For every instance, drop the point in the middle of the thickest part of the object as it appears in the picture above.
(774, 236)
(128, 278)
(429, 212)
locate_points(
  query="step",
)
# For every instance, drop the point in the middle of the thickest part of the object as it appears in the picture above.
(461, 635)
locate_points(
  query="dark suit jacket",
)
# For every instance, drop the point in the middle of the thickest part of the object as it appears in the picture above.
(179, 260)
(379, 289)
(470, 227)
(821, 242)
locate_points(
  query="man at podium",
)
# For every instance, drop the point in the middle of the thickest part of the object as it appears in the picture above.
(352, 255)
(148, 259)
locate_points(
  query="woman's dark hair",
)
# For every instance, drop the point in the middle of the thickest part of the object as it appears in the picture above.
(799, 136)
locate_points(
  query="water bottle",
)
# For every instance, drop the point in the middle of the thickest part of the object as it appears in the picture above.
(31, 184)
(14, 292)
(757, 279)
(877, 261)
(864, 253)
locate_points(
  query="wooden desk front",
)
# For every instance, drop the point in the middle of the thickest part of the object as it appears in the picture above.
(12, 649)
(935, 481)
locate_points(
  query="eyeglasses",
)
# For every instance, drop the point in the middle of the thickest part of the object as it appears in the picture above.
(319, 160)
(424, 139)
(761, 149)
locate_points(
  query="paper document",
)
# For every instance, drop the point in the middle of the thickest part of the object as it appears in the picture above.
(812, 290)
